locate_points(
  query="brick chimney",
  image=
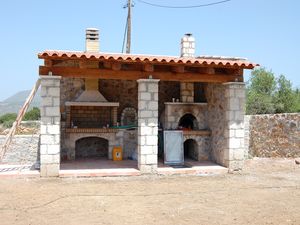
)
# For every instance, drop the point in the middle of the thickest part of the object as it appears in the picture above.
(188, 46)
(92, 40)
(187, 50)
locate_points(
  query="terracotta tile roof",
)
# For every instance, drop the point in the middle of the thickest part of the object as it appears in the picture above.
(200, 60)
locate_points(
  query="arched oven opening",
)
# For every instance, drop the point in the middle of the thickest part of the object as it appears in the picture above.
(188, 122)
(190, 149)
(91, 148)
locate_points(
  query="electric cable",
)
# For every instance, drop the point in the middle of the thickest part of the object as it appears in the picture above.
(182, 7)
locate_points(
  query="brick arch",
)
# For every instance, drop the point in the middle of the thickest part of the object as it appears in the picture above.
(191, 148)
(185, 117)
(129, 111)
(91, 147)
(76, 136)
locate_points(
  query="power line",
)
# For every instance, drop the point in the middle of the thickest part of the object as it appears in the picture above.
(183, 7)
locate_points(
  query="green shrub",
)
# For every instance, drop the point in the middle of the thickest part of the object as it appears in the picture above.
(33, 114)
(8, 123)
(8, 117)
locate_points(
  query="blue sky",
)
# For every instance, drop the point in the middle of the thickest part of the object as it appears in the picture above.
(264, 31)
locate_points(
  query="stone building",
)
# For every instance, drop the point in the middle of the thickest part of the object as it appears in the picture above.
(93, 101)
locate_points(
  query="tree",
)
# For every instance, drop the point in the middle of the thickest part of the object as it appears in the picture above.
(265, 94)
(297, 97)
(260, 92)
(285, 97)
(33, 114)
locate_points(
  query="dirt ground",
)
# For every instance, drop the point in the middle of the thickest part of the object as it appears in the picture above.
(267, 192)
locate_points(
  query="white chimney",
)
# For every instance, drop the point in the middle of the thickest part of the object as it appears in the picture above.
(187, 50)
(92, 40)
(188, 46)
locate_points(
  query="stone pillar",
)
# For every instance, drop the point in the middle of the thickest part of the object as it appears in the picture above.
(186, 92)
(147, 125)
(234, 125)
(50, 126)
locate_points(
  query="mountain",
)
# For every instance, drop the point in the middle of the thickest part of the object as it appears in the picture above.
(16, 101)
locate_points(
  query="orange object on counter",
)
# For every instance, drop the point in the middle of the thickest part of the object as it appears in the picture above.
(117, 153)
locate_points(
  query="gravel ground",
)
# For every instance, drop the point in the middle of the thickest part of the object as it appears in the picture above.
(266, 192)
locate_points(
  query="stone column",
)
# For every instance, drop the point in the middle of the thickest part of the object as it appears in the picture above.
(147, 125)
(186, 92)
(234, 125)
(50, 126)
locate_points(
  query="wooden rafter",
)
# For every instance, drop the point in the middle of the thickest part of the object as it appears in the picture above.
(136, 74)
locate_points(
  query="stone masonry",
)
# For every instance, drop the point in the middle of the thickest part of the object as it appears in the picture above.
(234, 125)
(50, 126)
(147, 125)
(272, 135)
(186, 92)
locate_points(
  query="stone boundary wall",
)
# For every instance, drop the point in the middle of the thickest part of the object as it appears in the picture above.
(272, 135)
(22, 150)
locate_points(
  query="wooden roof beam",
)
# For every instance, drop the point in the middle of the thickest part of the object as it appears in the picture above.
(148, 67)
(135, 75)
(178, 69)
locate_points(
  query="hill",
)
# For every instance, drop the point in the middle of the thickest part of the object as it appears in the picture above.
(16, 101)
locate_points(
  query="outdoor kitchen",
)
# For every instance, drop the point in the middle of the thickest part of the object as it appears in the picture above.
(159, 110)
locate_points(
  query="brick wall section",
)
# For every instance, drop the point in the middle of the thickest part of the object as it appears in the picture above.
(274, 135)
(50, 126)
(147, 125)
(91, 116)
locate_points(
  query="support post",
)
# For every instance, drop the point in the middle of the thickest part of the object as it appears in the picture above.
(147, 125)
(234, 125)
(50, 126)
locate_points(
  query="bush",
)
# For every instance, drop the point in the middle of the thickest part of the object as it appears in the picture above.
(33, 114)
(8, 123)
(8, 117)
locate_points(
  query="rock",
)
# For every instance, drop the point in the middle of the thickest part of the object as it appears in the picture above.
(297, 161)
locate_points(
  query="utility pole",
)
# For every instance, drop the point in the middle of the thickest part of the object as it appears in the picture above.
(128, 43)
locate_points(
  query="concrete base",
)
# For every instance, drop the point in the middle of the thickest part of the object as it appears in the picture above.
(49, 170)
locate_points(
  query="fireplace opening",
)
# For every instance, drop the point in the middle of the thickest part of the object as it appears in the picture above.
(91, 148)
(188, 121)
(190, 149)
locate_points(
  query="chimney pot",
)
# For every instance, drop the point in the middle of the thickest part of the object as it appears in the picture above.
(188, 45)
(92, 40)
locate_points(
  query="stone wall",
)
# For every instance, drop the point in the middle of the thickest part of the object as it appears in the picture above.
(167, 91)
(123, 91)
(22, 150)
(216, 106)
(130, 143)
(273, 135)
(226, 120)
